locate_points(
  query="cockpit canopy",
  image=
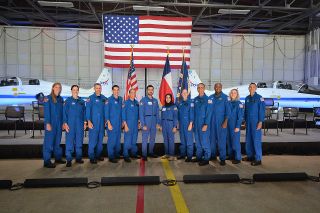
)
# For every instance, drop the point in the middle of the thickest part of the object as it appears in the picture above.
(15, 81)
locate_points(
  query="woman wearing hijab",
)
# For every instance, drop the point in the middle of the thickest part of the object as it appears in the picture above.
(169, 121)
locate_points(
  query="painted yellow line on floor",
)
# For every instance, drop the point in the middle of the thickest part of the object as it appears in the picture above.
(181, 206)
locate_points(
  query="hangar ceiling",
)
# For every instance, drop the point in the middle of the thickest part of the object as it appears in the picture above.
(293, 17)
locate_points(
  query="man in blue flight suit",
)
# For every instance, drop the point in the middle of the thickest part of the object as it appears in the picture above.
(201, 132)
(130, 117)
(254, 113)
(218, 111)
(96, 123)
(74, 124)
(113, 117)
(149, 120)
(186, 118)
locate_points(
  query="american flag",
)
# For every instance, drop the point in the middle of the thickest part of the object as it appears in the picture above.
(132, 78)
(151, 36)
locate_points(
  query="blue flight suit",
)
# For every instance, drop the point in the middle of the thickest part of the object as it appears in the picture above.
(149, 117)
(234, 121)
(169, 120)
(253, 114)
(203, 151)
(130, 115)
(74, 115)
(218, 111)
(185, 115)
(53, 115)
(113, 113)
(95, 113)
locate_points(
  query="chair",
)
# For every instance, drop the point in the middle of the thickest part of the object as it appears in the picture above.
(293, 114)
(269, 120)
(13, 115)
(316, 117)
(37, 110)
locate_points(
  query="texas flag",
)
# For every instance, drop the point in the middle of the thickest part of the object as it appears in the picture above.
(166, 82)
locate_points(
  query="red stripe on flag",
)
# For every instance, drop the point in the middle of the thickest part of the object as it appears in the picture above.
(169, 27)
(141, 66)
(175, 35)
(113, 49)
(144, 58)
(163, 18)
(182, 43)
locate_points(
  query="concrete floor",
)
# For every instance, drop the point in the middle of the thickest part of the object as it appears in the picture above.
(235, 197)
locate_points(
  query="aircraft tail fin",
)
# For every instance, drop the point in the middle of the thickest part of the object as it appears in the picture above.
(105, 80)
(194, 80)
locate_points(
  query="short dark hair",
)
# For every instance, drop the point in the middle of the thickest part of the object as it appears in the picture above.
(150, 86)
(96, 84)
(253, 84)
(74, 86)
(201, 84)
(115, 86)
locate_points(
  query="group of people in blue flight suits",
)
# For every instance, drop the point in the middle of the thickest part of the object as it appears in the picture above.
(214, 123)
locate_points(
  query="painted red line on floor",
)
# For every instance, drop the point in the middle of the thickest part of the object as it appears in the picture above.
(140, 193)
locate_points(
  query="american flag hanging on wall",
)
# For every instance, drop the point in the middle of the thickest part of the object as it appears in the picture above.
(151, 37)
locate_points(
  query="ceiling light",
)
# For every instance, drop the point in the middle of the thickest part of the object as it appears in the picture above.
(148, 8)
(56, 4)
(231, 11)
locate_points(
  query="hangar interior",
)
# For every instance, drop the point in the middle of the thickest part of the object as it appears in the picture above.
(234, 42)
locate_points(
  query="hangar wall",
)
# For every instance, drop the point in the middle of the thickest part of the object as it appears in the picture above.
(76, 56)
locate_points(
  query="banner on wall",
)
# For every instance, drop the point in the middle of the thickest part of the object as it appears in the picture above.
(150, 36)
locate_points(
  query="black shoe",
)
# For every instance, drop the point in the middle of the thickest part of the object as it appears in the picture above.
(181, 157)
(60, 161)
(213, 158)
(68, 164)
(113, 161)
(118, 157)
(80, 161)
(256, 163)
(153, 156)
(203, 163)
(188, 160)
(195, 160)
(247, 159)
(93, 161)
(136, 157)
(128, 160)
(223, 163)
(236, 161)
(144, 158)
(49, 165)
(101, 159)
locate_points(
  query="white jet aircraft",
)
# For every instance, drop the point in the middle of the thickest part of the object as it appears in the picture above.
(18, 91)
(284, 94)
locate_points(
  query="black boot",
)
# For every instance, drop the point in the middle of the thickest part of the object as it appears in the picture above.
(256, 163)
(101, 159)
(113, 161)
(195, 160)
(203, 162)
(153, 156)
(181, 157)
(222, 162)
(80, 161)
(128, 160)
(188, 160)
(93, 161)
(236, 161)
(68, 164)
(49, 165)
